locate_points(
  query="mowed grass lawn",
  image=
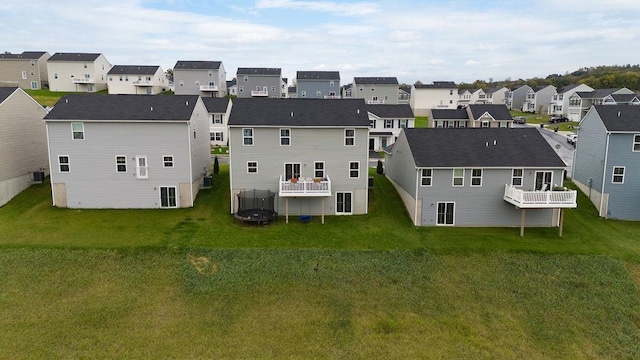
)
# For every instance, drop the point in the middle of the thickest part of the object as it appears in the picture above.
(193, 283)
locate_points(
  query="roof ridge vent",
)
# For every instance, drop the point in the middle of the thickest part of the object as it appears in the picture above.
(187, 102)
(66, 101)
(618, 113)
(292, 114)
(495, 142)
(152, 108)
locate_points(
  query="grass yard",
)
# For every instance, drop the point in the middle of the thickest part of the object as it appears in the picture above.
(421, 122)
(190, 283)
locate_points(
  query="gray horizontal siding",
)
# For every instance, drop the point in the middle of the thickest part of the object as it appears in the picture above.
(624, 199)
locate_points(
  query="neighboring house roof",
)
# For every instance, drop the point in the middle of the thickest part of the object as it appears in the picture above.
(197, 65)
(376, 80)
(462, 91)
(541, 87)
(5, 92)
(299, 112)
(74, 57)
(215, 104)
(27, 55)
(619, 117)
(259, 71)
(391, 110)
(292, 89)
(318, 75)
(89, 107)
(497, 111)
(133, 69)
(231, 83)
(474, 147)
(623, 98)
(568, 88)
(460, 114)
(438, 85)
(597, 93)
(493, 90)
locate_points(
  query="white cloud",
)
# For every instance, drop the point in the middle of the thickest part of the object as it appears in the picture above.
(337, 8)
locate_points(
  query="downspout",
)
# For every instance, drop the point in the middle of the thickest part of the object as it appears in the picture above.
(415, 210)
(604, 173)
(366, 203)
(229, 139)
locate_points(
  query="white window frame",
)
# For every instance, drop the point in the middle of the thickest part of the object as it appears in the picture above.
(453, 215)
(454, 177)
(142, 167)
(294, 173)
(246, 137)
(34, 85)
(341, 210)
(169, 197)
(403, 123)
(476, 178)
(216, 136)
(319, 172)
(620, 176)
(67, 163)
(252, 167)
(79, 131)
(121, 164)
(24, 75)
(636, 143)
(354, 170)
(349, 137)
(519, 177)
(167, 161)
(388, 123)
(285, 140)
(217, 118)
(426, 175)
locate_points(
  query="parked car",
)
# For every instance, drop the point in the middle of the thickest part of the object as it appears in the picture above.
(558, 119)
(519, 120)
(572, 139)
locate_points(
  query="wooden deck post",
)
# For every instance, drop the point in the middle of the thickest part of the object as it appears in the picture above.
(561, 220)
(286, 209)
(323, 210)
(522, 222)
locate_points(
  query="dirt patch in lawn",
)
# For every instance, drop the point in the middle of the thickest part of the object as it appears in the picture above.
(203, 265)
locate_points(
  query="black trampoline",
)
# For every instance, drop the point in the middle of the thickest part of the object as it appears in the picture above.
(256, 206)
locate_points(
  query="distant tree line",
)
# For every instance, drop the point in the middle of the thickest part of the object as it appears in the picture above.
(599, 77)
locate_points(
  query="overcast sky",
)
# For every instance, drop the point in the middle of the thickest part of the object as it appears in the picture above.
(412, 40)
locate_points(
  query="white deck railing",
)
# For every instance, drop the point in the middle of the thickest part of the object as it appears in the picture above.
(82, 80)
(259, 93)
(540, 199)
(208, 88)
(305, 187)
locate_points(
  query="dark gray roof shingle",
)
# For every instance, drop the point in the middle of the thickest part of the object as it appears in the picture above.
(6, 91)
(133, 70)
(259, 71)
(474, 147)
(299, 112)
(438, 85)
(318, 75)
(597, 93)
(619, 117)
(391, 110)
(197, 65)
(375, 80)
(27, 55)
(215, 104)
(446, 114)
(74, 57)
(497, 111)
(88, 107)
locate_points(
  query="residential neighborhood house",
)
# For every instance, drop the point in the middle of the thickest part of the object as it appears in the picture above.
(474, 115)
(78, 72)
(204, 78)
(318, 84)
(439, 95)
(385, 122)
(538, 99)
(486, 177)
(559, 105)
(312, 152)
(606, 164)
(127, 151)
(516, 97)
(218, 109)
(260, 82)
(581, 101)
(23, 142)
(137, 79)
(27, 70)
(376, 90)
(496, 95)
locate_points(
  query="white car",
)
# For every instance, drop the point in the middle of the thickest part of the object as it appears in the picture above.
(572, 139)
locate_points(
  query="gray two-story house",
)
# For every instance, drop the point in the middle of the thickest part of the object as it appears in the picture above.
(376, 90)
(312, 152)
(515, 98)
(127, 151)
(606, 163)
(473, 116)
(259, 82)
(27, 70)
(386, 122)
(318, 84)
(204, 78)
(23, 142)
(478, 177)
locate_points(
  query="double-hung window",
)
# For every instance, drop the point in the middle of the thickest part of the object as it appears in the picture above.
(252, 167)
(349, 137)
(121, 164)
(354, 169)
(285, 137)
(426, 177)
(77, 130)
(217, 118)
(388, 124)
(476, 177)
(167, 161)
(516, 177)
(458, 177)
(618, 175)
(247, 137)
(318, 169)
(636, 142)
(63, 162)
(403, 123)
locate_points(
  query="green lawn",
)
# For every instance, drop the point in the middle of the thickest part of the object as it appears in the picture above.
(45, 97)
(421, 122)
(192, 283)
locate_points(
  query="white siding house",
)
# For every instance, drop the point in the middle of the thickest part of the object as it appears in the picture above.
(439, 95)
(127, 151)
(137, 80)
(78, 72)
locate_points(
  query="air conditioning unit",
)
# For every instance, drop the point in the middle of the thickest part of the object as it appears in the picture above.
(38, 177)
